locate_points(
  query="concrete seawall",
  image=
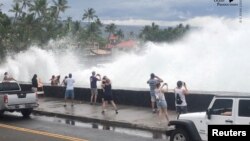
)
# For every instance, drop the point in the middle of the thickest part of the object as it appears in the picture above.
(197, 101)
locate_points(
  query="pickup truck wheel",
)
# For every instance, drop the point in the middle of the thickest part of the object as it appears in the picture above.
(26, 112)
(179, 135)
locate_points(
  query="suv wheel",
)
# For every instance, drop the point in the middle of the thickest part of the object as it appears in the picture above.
(179, 135)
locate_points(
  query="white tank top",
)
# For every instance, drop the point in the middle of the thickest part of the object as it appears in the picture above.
(159, 94)
(182, 96)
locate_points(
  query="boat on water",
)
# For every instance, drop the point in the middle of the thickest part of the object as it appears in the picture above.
(100, 51)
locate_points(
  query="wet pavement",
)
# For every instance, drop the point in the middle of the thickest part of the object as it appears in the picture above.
(128, 116)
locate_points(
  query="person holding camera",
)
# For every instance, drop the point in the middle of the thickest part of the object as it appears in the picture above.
(108, 96)
(180, 99)
(160, 99)
(93, 87)
(152, 85)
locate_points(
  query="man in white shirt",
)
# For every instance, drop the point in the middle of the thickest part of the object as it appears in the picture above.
(69, 93)
(180, 97)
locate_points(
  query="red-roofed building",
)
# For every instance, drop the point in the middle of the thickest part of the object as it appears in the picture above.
(126, 44)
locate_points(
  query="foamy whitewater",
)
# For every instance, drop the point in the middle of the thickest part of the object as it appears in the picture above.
(212, 57)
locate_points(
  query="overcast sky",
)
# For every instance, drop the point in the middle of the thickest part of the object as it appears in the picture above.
(149, 10)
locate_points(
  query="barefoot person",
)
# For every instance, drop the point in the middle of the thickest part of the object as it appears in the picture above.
(160, 100)
(108, 97)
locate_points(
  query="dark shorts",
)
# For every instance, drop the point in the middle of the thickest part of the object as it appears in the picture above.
(181, 109)
(101, 94)
(108, 97)
(69, 94)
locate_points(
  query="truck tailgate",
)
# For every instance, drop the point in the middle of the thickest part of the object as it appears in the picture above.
(21, 98)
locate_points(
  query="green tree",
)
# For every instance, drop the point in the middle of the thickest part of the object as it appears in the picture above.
(1, 6)
(24, 3)
(39, 7)
(110, 29)
(76, 27)
(17, 10)
(5, 23)
(89, 15)
(119, 34)
(131, 34)
(61, 6)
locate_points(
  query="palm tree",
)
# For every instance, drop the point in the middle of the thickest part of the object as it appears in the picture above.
(89, 15)
(76, 26)
(61, 6)
(98, 22)
(131, 34)
(120, 34)
(154, 27)
(24, 3)
(111, 28)
(145, 31)
(39, 7)
(1, 6)
(16, 9)
(68, 24)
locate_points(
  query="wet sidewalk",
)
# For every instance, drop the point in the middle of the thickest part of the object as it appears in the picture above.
(128, 116)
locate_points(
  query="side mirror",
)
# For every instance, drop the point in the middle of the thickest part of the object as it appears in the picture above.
(208, 113)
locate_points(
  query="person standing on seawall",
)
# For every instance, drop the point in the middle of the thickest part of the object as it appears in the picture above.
(152, 85)
(180, 98)
(7, 78)
(34, 83)
(161, 100)
(108, 96)
(69, 93)
(93, 87)
(103, 90)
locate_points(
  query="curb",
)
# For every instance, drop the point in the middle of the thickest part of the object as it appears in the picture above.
(102, 121)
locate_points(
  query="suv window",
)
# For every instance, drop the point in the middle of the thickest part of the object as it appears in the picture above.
(222, 107)
(244, 108)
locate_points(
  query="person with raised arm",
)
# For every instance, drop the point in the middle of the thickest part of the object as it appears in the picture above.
(152, 85)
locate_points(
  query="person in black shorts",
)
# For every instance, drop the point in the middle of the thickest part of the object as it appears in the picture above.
(102, 91)
(107, 96)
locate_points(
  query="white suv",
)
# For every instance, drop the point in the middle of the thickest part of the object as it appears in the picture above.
(223, 110)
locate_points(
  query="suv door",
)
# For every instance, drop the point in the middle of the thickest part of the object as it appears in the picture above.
(222, 111)
(243, 114)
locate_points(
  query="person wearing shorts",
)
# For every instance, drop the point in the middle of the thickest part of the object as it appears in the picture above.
(69, 93)
(108, 96)
(152, 85)
(93, 87)
(161, 101)
(180, 98)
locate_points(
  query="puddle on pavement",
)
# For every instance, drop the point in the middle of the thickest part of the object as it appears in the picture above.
(129, 131)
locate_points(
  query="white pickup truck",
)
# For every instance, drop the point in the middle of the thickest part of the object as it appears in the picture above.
(13, 99)
(223, 110)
